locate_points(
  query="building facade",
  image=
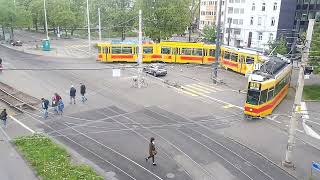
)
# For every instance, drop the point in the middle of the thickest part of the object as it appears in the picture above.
(255, 23)
(305, 10)
(209, 10)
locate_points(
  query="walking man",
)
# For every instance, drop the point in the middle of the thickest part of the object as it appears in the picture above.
(60, 107)
(152, 151)
(83, 92)
(45, 106)
(73, 95)
(3, 117)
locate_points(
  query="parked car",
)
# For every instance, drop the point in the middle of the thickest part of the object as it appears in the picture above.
(16, 43)
(155, 70)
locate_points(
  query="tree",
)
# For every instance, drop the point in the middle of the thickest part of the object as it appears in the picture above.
(163, 18)
(209, 33)
(279, 46)
(314, 58)
(194, 11)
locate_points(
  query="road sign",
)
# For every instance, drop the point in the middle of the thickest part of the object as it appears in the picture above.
(316, 166)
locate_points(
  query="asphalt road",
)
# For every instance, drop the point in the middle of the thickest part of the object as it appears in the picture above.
(113, 128)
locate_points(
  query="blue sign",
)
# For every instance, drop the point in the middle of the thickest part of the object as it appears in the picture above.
(316, 166)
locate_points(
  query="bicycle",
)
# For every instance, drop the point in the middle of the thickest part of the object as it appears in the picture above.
(135, 82)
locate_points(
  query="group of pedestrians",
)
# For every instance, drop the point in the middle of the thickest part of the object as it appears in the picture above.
(57, 102)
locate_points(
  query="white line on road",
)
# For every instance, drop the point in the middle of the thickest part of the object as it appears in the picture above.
(23, 125)
(5, 134)
(305, 116)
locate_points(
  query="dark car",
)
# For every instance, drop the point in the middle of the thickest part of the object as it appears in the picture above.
(16, 43)
(155, 70)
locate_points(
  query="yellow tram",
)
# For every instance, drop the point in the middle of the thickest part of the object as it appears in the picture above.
(267, 87)
(235, 59)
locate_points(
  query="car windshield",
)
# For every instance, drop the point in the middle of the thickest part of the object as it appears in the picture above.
(253, 97)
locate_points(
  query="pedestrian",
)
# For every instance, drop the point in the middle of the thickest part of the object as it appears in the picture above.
(152, 151)
(83, 92)
(73, 95)
(60, 107)
(3, 117)
(45, 106)
(55, 100)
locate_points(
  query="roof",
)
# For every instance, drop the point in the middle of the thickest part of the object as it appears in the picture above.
(253, 52)
(271, 68)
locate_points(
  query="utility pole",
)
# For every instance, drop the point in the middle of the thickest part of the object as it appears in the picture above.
(298, 97)
(140, 50)
(89, 33)
(45, 18)
(229, 30)
(215, 65)
(99, 24)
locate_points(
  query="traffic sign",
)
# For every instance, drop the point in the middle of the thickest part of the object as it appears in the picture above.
(316, 166)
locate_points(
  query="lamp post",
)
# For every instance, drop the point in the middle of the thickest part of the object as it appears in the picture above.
(89, 33)
(45, 18)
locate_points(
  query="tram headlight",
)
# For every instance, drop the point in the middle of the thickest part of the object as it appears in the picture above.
(250, 109)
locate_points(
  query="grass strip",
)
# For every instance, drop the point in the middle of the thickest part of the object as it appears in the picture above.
(51, 161)
(311, 92)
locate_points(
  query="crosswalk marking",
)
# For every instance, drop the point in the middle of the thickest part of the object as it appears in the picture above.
(208, 86)
(189, 93)
(193, 91)
(205, 88)
(198, 89)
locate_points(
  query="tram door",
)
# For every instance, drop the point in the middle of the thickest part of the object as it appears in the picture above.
(242, 65)
(106, 52)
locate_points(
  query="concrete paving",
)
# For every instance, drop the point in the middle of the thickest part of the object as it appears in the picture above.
(113, 127)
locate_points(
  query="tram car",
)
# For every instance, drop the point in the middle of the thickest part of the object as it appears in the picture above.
(235, 59)
(267, 87)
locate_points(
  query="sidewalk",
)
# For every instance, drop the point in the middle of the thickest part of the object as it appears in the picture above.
(12, 166)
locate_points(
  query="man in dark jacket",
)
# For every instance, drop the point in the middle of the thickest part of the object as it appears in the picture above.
(83, 92)
(73, 95)
(152, 151)
(3, 117)
(45, 106)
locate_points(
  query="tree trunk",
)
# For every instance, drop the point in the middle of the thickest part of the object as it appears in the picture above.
(123, 36)
(29, 28)
(72, 31)
(11, 33)
(3, 34)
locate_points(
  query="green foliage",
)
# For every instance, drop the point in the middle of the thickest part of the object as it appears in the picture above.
(311, 92)
(51, 161)
(314, 58)
(279, 45)
(209, 33)
(163, 18)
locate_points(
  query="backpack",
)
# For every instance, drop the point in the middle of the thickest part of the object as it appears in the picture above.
(46, 103)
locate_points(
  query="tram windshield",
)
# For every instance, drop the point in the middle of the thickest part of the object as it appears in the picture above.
(253, 97)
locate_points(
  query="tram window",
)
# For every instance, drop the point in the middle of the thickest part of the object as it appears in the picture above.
(147, 50)
(116, 50)
(250, 60)
(253, 97)
(234, 57)
(186, 51)
(263, 96)
(212, 52)
(165, 50)
(270, 93)
(126, 50)
(197, 52)
(280, 85)
(226, 55)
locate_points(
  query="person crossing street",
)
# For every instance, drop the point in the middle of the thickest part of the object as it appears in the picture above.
(83, 92)
(73, 95)
(3, 117)
(152, 151)
(45, 106)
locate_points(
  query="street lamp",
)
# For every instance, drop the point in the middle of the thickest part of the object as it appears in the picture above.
(45, 18)
(89, 34)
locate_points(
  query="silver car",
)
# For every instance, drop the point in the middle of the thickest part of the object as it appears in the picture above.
(155, 70)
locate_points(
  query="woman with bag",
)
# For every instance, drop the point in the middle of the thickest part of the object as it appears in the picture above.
(152, 151)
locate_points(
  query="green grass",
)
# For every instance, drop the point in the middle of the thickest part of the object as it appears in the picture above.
(311, 92)
(50, 161)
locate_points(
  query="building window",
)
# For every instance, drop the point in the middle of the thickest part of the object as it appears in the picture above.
(260, 36)
(240, 21)
(203, 13)
(235, 21)
(242, 11)
(275, 6)
(230, 1)
(243, 1)
(259, 21)
(270, 37)
(237, 31)
(253, 7)
(237, 1)
(230, 10)
(273, 21)
(251, 21)
(236, 11)
(263, 7)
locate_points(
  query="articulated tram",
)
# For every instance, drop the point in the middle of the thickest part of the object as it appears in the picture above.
(235, 59)
(267, 87)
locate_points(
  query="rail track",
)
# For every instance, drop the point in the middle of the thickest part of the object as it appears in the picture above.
(17, 100)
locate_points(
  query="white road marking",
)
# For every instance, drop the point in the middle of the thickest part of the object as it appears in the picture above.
(205, 88)
(296, 129)
(309, 131)
(273, 119)
(5, 134)
(197, 89)
(23, 125)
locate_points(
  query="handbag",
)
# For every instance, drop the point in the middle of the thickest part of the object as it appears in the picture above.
(154, 152)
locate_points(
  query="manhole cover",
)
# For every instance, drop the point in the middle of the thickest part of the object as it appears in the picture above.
(170, 175)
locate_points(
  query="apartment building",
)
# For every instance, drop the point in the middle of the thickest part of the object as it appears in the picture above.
(255, 23)
(209, 10)
(305, 10)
